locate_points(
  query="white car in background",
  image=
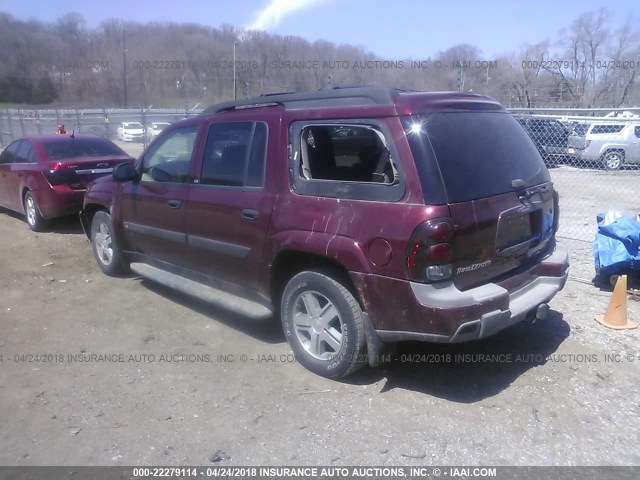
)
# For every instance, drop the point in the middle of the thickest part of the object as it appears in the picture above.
(130, 131)
(154, 130)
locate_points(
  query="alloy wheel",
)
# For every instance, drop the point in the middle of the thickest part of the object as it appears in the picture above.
(317, 325)
(104, 245)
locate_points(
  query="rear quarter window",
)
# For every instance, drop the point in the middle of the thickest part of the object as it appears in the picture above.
(600, 129)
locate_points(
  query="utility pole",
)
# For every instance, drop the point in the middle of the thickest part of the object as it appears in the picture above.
(124, 66)
(460, 77)
(234, 71)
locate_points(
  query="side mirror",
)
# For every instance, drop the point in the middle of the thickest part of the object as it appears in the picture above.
(125, 172)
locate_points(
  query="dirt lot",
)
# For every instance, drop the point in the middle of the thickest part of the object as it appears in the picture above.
(181, 382)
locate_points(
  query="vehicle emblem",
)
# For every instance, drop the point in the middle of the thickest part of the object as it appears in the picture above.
(475, 266)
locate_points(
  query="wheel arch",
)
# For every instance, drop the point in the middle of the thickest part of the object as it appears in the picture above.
(610, 149)
(289, 262)
(23, 194)
(87, 214)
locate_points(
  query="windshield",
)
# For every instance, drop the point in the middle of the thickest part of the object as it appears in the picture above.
(479, 154)
(81, 147)
(133, 126)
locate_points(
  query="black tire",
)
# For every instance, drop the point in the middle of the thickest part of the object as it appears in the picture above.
(318, 284)
(32, 212)
(105, 248)
(613, 160)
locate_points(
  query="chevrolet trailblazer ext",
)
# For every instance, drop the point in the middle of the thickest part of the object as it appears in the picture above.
(363, 216)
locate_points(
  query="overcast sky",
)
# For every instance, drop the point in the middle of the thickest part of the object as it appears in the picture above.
(392, 29)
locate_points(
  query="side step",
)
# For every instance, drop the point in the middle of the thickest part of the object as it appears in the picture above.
(201, 291)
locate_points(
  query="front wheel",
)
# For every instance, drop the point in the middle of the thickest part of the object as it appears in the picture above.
(31, 211)
(104, 246)
(323, 323)
(613, 160)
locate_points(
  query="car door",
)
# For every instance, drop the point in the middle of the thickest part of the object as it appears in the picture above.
(230, 208)
(24, 164)
(7, 158)
(153, 208)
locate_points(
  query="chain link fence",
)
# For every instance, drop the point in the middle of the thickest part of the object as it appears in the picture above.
(594, 160)
(102, 122)
(593, 155)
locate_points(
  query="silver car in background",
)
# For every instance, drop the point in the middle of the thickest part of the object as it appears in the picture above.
(610, 144)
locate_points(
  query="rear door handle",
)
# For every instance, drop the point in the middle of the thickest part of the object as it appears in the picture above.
(249, 214)
(174, 203)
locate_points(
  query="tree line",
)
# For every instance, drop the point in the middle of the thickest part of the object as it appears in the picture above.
(121, 63)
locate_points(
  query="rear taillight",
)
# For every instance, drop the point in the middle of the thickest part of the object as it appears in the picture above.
(61, 175)
(430, 252)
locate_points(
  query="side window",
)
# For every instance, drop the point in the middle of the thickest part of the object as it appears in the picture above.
(25, 153)
(170, 158)
(636, 130)
(235, 154)
(606, 129)
(9, 153)
(348, 153)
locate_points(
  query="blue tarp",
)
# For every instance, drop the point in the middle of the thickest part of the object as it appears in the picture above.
(617, 246)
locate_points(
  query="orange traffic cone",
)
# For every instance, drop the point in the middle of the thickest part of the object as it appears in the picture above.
(616, 316)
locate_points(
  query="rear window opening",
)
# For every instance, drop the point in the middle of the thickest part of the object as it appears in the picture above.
(351, 153)
(478, 154)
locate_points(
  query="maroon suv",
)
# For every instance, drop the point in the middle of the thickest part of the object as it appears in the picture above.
(363, 216)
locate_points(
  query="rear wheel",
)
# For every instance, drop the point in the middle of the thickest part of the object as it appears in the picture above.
(34, 219)
(323, 323)
(613, 159)
(104, 246)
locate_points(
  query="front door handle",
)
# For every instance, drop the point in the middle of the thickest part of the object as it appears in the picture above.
(174, 203)
(249, 214)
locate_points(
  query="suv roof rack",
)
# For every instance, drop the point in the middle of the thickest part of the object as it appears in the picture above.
(349, 96)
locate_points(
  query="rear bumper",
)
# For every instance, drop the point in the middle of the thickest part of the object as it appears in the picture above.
(555, 151)
(58, 201)
(444, 314)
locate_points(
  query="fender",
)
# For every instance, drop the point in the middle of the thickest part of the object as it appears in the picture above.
(103, 198)
(329, 245)
(31, 183)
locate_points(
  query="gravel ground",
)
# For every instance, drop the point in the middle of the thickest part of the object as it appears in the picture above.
(189, 383)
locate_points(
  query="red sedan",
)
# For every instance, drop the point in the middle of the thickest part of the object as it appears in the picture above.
(46, 177)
